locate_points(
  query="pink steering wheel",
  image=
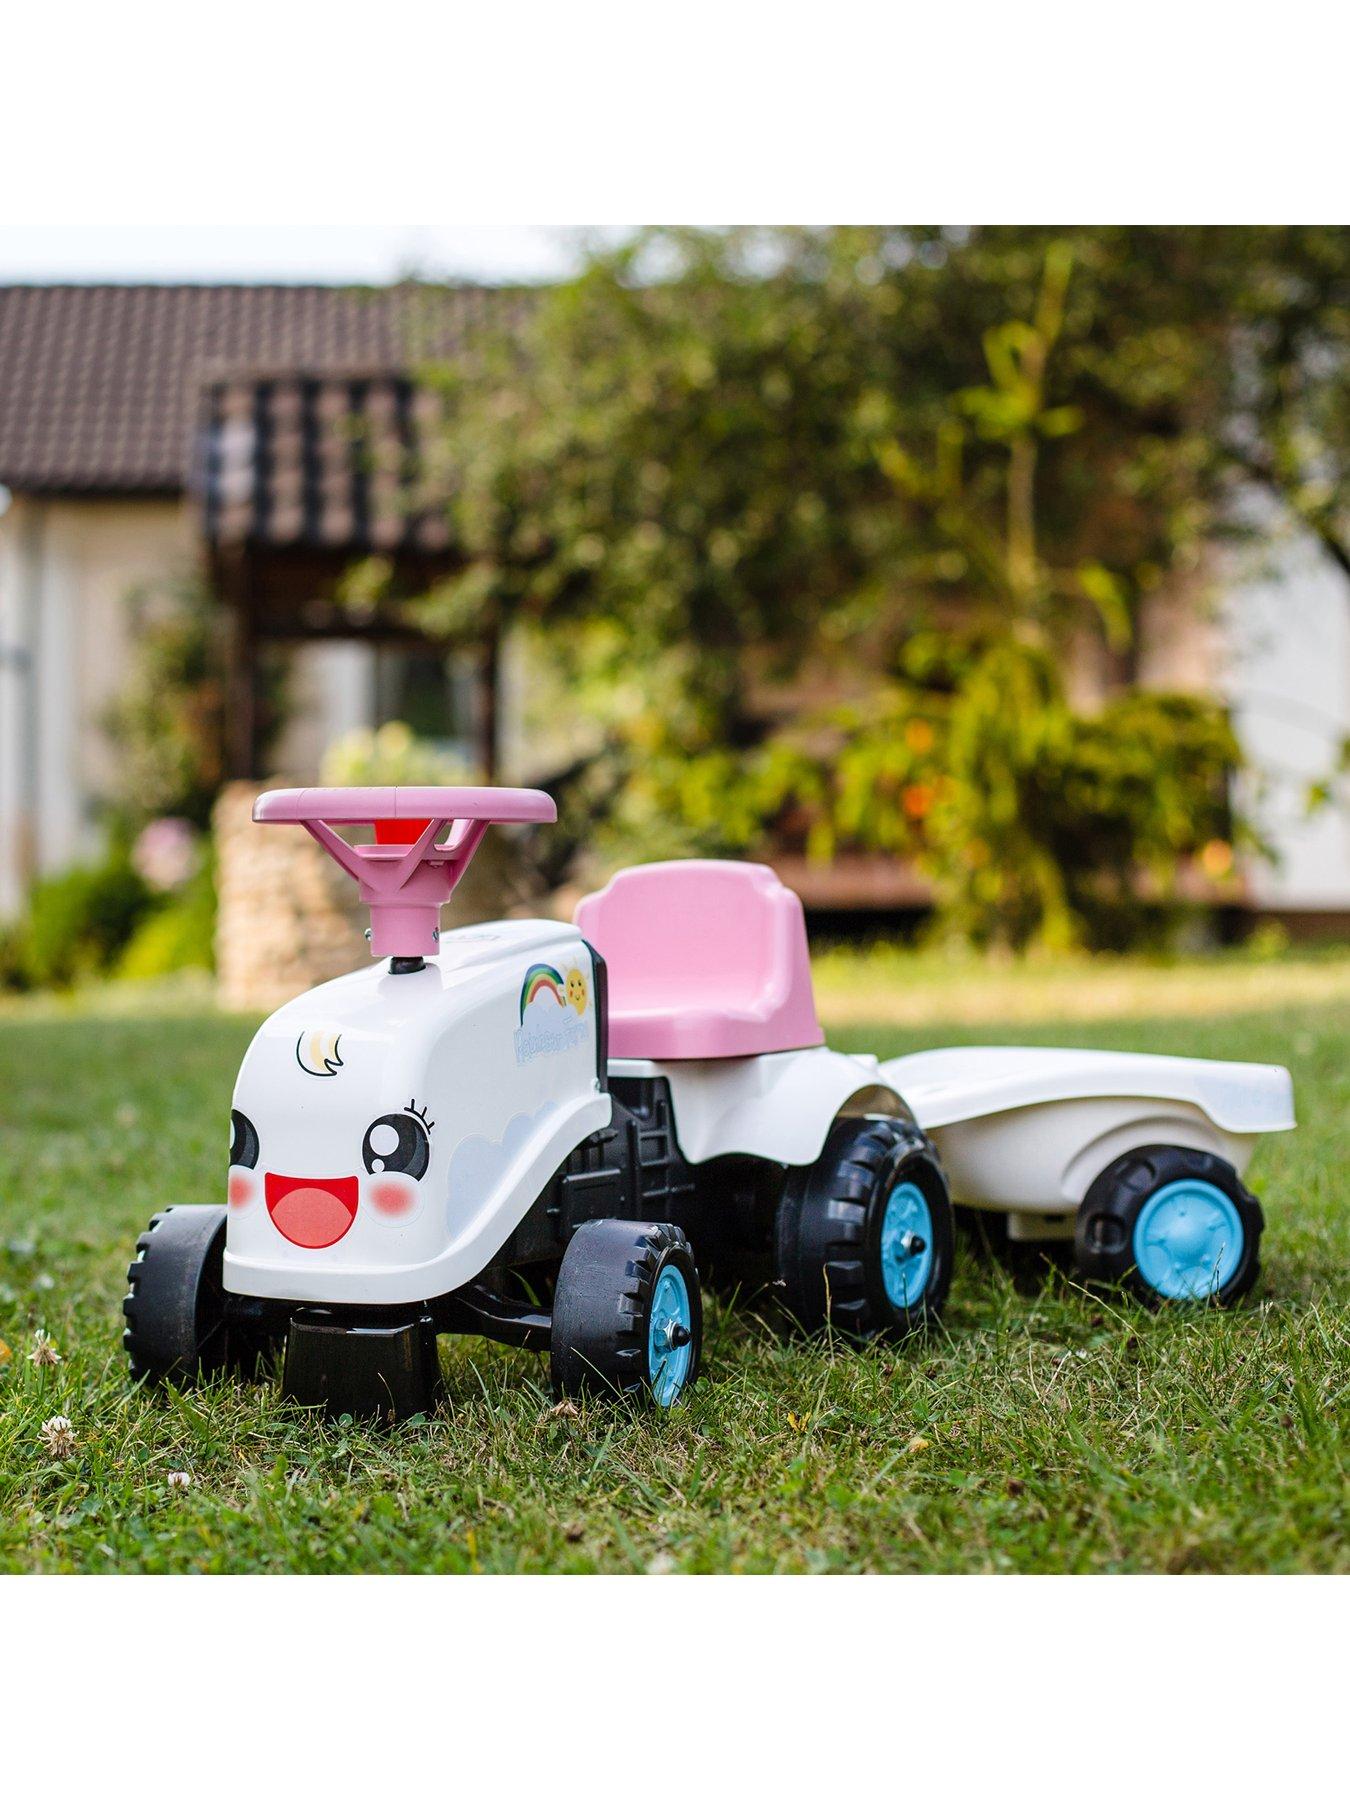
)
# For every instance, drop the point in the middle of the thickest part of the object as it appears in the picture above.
(410, 871)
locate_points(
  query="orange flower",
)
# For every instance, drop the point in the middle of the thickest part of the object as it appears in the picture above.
(1216, 859)
(917, 799)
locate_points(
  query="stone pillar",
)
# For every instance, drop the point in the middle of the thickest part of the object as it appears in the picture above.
(288, 918)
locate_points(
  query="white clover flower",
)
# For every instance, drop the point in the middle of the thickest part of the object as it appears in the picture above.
(44, 1353)
(179, 1478)
(58, 1434)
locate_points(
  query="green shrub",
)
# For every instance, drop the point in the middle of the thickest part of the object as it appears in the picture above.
(1036, 824)
(14, 973)
(393, 756)
(178, 934)
(79, 921)
(168, 719)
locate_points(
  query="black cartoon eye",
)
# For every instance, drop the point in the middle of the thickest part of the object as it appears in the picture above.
(243, 1142)
(397, 1144)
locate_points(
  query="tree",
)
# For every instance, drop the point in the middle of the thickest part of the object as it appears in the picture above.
(685, 440)
(1288, 403)
(865, 464)
(678, 458)
(168, 720)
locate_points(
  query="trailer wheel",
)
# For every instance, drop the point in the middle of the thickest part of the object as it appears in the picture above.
(627, 1313)
(863, 1240)
(1171, 1224)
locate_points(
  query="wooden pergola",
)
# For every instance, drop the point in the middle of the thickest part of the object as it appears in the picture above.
(297, 479)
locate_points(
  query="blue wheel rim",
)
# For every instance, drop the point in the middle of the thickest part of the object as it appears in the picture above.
(1188, 1240)
(906, 1245)
(670, 1340)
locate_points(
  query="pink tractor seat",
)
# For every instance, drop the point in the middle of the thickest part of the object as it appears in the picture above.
(705, 959)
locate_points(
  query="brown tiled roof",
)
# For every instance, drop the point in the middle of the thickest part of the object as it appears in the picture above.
(100, 387)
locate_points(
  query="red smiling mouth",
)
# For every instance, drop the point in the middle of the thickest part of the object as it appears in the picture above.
(312, 1214)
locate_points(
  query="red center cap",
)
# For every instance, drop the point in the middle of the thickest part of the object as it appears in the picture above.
(312, 1214)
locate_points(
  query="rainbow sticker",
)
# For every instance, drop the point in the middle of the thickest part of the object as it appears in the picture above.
(539, 977)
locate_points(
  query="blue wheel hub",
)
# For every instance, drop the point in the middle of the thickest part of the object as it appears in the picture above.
(906, 1245)
(670, 1337)
(1188, 1240)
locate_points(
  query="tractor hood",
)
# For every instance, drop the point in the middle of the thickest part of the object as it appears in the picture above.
(390, 1130)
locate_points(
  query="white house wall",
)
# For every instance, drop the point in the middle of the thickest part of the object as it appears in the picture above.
(331, 691)
(66, 570)
(1288, 680)
(17, 626)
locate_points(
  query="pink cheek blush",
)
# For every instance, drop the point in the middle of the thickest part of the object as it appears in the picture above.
(240, 1189)
(394, 1199)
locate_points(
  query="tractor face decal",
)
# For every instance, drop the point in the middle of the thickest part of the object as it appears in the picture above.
(243, 1160)
(319, 1052)
(312, 1214)
(398, 1144)
(315, 1212)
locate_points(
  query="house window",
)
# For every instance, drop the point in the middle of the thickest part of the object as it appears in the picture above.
(429, 691)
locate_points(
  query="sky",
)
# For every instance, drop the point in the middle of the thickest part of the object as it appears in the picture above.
(322, 253)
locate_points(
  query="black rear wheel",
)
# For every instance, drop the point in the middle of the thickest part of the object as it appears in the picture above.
(863, 1240)
(627, 1313)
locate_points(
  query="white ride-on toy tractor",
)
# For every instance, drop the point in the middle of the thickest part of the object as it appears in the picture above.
(526, 1130)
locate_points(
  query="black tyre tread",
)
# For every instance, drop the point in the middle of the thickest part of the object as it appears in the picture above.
(1119, 1193)
(821, 1231)
(169, 1284)
(600, 1303)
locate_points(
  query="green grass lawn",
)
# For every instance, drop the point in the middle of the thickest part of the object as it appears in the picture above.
(1041, 1429)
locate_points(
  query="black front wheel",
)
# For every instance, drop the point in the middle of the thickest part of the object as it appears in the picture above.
(863, 1240)
(177, 1324)
(627, 1313)
(175, 1304)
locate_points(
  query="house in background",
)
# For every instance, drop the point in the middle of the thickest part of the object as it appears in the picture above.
(261, 436)
(1285, 672)
(258, 436)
